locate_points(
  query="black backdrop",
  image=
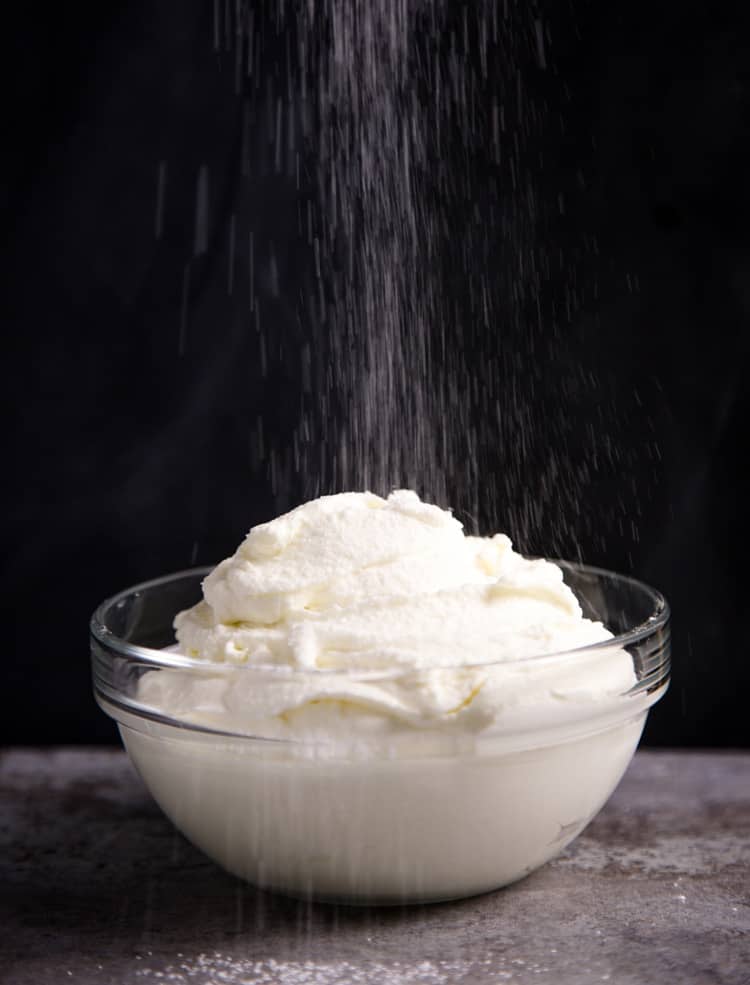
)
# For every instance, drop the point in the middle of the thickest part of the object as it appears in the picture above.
(133, 380)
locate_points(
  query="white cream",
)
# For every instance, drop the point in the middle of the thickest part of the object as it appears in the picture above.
(383, 608)
(436, 743)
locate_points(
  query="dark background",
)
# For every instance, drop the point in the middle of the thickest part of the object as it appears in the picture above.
(149, 411)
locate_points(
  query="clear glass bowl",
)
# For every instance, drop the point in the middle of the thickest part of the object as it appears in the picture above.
(421, 815)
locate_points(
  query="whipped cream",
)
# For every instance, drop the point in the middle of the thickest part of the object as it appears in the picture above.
(441, 739)
(354, 613)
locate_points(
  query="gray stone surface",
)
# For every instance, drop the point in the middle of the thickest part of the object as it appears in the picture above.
(97, 887)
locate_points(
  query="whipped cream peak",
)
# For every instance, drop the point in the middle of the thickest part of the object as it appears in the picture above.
(355, 581)
(452, 626)
(331, 549)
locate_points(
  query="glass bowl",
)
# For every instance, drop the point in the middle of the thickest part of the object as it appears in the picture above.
(417, 815)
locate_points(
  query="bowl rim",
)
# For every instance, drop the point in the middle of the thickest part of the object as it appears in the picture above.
(658, 620)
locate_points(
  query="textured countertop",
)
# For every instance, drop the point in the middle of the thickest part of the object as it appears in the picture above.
(96, 886)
